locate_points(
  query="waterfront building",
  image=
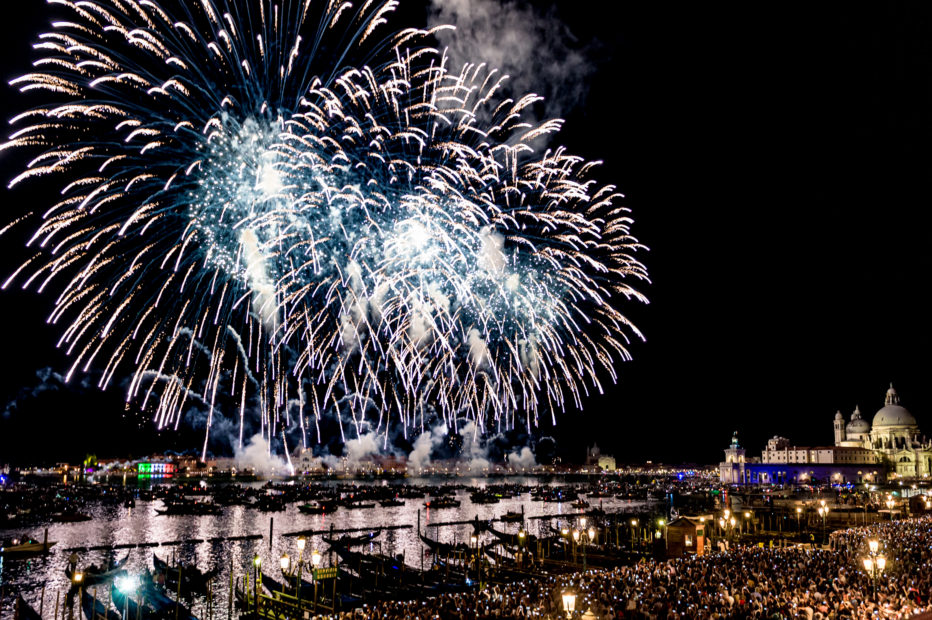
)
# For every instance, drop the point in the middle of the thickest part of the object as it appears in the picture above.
(594, 457)
(890, 446)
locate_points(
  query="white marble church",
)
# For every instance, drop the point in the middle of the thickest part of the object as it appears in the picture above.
(889, 446)
(893, 437)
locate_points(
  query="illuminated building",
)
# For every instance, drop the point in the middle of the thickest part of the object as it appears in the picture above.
(863, 452)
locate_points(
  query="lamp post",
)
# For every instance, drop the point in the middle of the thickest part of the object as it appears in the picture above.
(799, 511)
(302, 542)
(256, 564)
(822, 512)
(569, 602)
(634, 525)
(575, 542)
(890, 505)
(315, 562)
(874, 564)
(286, 570)
(474, 542)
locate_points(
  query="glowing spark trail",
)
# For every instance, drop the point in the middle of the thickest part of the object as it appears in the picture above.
(262, 189)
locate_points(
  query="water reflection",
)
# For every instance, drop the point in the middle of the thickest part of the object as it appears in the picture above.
(117, 525)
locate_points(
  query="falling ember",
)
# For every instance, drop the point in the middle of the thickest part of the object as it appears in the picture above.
(359, 233)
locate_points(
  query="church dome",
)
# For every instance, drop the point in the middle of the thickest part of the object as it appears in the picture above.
(858, 425)
(892, 413)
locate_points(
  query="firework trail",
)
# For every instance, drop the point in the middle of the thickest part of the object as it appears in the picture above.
(267, 202)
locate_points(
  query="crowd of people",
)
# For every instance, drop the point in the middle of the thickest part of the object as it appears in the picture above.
(743, 582)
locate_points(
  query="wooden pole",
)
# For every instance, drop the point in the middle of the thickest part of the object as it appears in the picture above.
(230, 601)
(57, 594)
(271, 529)
(42, 601)
(178, 599)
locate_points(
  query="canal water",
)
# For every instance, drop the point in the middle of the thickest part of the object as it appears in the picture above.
(116, 525)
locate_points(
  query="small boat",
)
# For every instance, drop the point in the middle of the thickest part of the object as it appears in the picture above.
(357, 505)
(352, 541)
(445, 548)
(580, 503)
(512, 517)
(22, 610)
(94, 575)
(319, 507)
(189, 507)
(483, 497)
(95, 609)
(192, 579)
(70, 516)
(270, 503)
(23, 545)
(389, 503)
(442, 502)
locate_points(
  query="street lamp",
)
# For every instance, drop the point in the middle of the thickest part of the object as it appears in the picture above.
(575, 542)
(315, 562)
(799, 511)
(823, 511)
(302, 543)
(874, 564)
(890, 505)
(474, 540)
(256, 564)
(569, 602)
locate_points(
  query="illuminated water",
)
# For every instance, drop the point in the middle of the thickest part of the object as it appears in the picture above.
(114, 525)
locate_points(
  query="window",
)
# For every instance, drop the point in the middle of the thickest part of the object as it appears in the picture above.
(689, 541)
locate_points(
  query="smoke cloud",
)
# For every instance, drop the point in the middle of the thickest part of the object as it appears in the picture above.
(523, 459)
(256, 456)
(531, 45)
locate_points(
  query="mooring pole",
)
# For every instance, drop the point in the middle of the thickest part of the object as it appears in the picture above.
(271, 529)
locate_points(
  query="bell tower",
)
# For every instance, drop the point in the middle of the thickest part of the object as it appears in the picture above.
(839, 428)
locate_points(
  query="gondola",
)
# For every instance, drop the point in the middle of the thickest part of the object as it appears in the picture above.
(192, 579)
(23, 611)
(444, 549)
(352, 541)
(94, 575)
(95, 609)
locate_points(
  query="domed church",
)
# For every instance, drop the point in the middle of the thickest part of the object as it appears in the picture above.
(893, 436)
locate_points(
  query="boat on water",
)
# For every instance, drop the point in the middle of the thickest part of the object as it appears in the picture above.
(70, 516)
(357, 505)
(23, 611)
(192, 579)
(189, 507)
(352, 541)
(24, 546)
(442, 502)
(140, 599)
(512, 517)
(389, 503)
(95, 609)
(319, 507)
(95, 575)
(483, 497)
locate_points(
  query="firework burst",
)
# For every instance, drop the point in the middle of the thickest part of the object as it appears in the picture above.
(264, 203)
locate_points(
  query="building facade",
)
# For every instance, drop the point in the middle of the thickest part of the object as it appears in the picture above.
(864, 451)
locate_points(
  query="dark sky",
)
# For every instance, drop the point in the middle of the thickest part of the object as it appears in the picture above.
(777, 161)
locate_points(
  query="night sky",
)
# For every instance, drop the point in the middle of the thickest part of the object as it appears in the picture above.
(777, 161)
